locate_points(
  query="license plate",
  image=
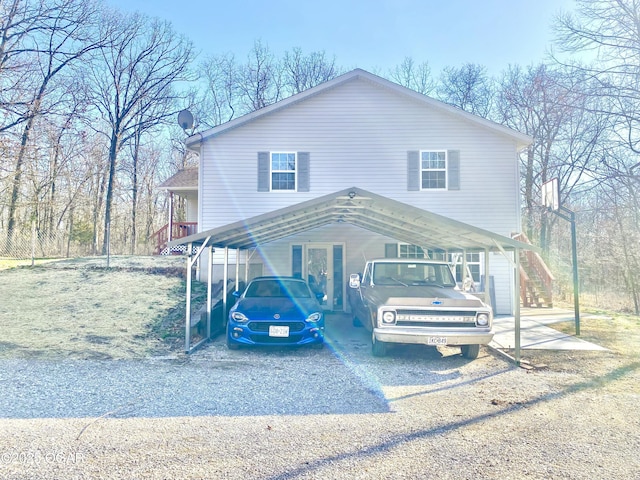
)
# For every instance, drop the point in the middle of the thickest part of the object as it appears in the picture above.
(278, 331)
(437, 340)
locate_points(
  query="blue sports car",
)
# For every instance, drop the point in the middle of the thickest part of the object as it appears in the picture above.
(276, 311)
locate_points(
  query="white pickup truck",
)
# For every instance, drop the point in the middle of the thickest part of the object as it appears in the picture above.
(417, 301)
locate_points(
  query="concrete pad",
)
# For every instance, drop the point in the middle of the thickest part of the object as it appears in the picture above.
(535, 334)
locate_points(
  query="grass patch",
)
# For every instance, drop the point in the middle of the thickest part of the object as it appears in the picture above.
(80, 309)
(617, 332)
(6, 263)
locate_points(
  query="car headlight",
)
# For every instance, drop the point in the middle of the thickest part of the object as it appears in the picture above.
(239, 317)
(388, 317)
(482, 319)
(314, 317)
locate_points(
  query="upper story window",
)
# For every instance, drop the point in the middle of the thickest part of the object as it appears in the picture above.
(429, 170)
(283, 171)
(433, 169)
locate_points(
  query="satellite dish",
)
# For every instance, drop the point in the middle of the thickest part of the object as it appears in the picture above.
(185, 119)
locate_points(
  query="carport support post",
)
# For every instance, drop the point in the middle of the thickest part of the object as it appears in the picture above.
(187, 323)
(224, 282)
(209, 289)
(516, 296)
(237, 269)
(487, 283)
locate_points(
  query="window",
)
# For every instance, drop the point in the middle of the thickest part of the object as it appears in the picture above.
(433, 169)
(474, 260)
(283, 171)
(411, 251)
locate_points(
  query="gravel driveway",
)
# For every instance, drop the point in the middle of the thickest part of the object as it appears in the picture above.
(333, 413)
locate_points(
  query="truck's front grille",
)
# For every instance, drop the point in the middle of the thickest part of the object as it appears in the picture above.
(437, 324)
(432, 317)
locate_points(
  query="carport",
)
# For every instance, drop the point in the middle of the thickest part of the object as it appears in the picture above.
(354, 206)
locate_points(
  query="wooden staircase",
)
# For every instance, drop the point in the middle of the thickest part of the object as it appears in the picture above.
(536, 280)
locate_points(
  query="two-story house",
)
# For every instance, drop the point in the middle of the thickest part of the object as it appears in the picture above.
(357, 168)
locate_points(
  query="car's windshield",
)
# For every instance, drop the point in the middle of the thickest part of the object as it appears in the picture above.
(390, 273)
(278, 288)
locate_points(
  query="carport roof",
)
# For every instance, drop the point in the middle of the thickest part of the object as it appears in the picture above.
(361, 208)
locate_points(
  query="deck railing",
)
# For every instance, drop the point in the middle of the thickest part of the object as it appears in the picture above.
(160, 239)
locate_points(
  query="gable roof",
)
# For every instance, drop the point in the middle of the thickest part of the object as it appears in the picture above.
(363, 209)
(521, 139)
(185, 179)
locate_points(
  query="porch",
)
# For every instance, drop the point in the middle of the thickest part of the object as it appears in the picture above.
(170, 232)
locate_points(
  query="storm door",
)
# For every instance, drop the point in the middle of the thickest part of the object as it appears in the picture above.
(321, 264)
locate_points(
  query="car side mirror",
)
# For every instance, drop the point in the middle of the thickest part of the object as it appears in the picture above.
(237, 293)
(354, 280)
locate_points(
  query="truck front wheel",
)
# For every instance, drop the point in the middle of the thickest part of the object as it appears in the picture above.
(378, 348)
(470, 351)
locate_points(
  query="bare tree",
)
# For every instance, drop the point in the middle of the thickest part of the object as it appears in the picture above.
(260, 79)
(302, 72)
(133, 84)
(221, 91)
(608, 31)
(66, 37)
(415, 77)
(468, 88)
(548, 104)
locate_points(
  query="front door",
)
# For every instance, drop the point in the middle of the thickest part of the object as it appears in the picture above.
(319, 272)
(323, 268)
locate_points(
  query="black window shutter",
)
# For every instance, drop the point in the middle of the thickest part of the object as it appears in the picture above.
(264, 183)
(303, 172)
(413, 170)
(453, 169)
(390, 250)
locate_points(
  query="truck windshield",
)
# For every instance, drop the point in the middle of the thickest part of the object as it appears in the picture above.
(390, 273)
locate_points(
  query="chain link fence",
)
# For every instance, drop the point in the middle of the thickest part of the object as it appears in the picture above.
(22, 244)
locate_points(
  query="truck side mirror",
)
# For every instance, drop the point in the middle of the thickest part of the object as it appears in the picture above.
(354, 280)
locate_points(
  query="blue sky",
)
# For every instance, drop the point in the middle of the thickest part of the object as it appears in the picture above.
(374, 35)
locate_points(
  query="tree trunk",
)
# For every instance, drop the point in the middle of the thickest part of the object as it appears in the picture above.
(17, 178)
(113, 153)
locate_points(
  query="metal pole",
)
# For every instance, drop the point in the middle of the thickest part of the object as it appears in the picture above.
(187, 323)
(516, 297)
(237, 269)
(576, 284)
(574, 257)
(209, 289)
(33, 242)
(487, 283)
(224, 283)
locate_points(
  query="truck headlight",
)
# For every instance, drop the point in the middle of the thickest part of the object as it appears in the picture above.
(388, 318)
(482, 319)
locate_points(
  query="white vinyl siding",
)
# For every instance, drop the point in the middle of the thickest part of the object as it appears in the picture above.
(359, 134)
